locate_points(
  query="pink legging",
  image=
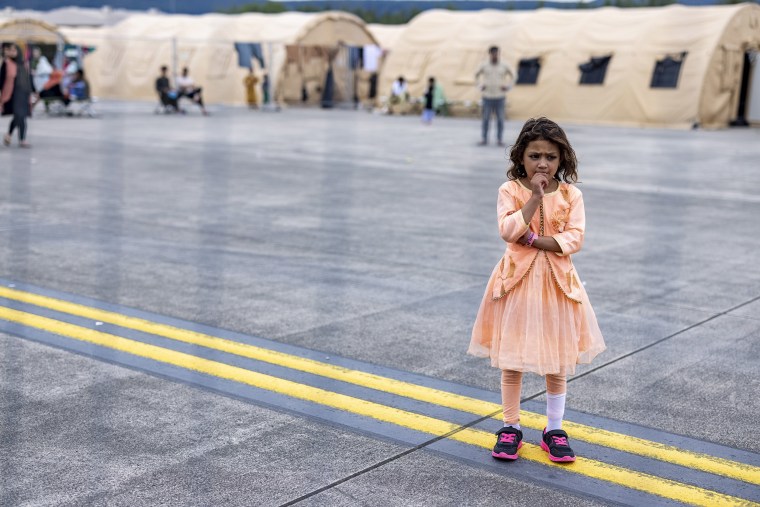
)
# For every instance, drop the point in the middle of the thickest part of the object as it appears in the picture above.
(511, 384)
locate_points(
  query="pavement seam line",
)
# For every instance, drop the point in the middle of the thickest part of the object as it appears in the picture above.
(631, 479)
(384, 462)
(400, 455)
(629, 444)
(661, 340)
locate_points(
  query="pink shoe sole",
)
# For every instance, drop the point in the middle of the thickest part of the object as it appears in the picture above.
(504, 455)
(566, 459)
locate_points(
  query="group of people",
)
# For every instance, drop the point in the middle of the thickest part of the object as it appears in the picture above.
(24, 83)
(434, 100)
(250, 82)
(56, 85)
(494, 78)
(535, 315)
(186, 87)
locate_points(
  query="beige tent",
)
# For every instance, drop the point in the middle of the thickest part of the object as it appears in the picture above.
(709, 42)
(296, 49)
(386, 35)
(85, 35)
(22, 31)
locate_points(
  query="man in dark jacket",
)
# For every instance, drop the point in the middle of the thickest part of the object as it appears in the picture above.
(165, 92)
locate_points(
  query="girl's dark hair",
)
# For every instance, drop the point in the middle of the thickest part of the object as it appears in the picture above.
(546, 130)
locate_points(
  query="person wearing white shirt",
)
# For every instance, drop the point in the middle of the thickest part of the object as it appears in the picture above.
(399, 88)
(41, 69)
(186, 88)
(495, 80)
(399, 96)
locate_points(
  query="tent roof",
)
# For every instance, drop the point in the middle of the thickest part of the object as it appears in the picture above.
(386, 35)
(73, 16)
(291, 27)
(542, 28)
(29, 29)
(85, 36)
(284, 28)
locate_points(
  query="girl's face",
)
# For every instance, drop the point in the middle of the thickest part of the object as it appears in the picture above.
(541, 156)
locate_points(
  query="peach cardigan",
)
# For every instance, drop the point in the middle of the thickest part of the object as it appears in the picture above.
(560, 216)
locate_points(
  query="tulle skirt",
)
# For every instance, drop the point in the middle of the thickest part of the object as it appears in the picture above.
(536, 327)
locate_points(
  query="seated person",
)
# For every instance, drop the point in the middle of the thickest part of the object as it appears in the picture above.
(399, 100)
(168, 96)
(79, 89)
(41, 68)
(186, 88)
(399, 90)
(52, 91)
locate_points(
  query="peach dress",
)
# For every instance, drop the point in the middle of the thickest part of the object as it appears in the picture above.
(535, 315)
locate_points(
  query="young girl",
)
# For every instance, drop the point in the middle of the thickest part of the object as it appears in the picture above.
(535, 315)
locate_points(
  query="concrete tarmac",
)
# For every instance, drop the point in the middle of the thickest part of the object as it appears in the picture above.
(367, 237)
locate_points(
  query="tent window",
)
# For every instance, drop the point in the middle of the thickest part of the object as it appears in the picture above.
(666, 71)
(527, 71)
(593, 71)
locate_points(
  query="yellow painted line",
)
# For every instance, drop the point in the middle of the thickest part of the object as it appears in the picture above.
(632, 445)
(591, 468)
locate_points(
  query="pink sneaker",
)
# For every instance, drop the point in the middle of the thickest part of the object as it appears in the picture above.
(508, 441)
(555, 443)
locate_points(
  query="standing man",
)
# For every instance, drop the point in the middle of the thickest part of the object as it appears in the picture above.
(495, 79)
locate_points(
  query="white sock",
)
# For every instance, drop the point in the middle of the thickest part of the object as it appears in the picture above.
(555, 411)
(515, 426)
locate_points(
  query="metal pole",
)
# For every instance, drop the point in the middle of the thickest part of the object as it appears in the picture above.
(349, 80)
(174, 60)
(58, 60)
(272, 105)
